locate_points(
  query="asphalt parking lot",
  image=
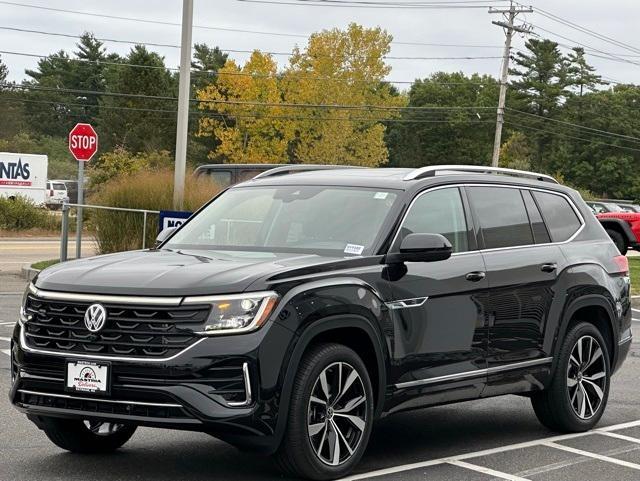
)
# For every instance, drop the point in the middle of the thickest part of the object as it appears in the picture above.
(490, 439)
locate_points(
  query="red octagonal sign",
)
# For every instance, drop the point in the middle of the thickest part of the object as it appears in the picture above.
(83, 142)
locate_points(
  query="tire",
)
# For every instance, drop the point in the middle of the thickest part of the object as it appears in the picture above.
(619, 241)
(86, 437)
(307, 449)
(576, 378)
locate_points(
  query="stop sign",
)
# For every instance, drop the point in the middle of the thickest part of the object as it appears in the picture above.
(83, 142)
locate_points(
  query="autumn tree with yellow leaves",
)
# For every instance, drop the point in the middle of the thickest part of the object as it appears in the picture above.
(327, 106)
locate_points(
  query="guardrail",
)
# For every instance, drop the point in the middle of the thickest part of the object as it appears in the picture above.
(64, 236)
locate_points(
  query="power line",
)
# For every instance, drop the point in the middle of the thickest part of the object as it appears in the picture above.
(578, 126)
(244, 103)
(253, 116)
(218, 73)
(225, 29)
(285, 54)
(586, 30)
(388, 5)
(550, 132)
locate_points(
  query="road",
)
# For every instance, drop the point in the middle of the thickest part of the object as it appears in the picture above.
(15, 253)
(489, 439)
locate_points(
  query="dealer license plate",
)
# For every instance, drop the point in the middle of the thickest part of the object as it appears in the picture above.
(87, 376)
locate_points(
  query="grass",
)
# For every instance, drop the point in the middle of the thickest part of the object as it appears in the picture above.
(44, 264)
(634, 270)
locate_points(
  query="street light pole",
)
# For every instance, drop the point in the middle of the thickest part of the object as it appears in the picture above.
(183, 105)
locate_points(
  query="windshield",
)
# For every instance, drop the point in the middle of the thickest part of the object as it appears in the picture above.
(309, 219)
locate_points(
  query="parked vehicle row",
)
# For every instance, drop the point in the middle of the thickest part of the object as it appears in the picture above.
(621, 220)
(296, 308)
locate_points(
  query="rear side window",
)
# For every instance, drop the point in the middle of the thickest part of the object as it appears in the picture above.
(439, 212)
(562, 221)
(502, 216)
(540, 233)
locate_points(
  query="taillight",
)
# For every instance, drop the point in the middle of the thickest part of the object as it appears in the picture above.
(622, 265)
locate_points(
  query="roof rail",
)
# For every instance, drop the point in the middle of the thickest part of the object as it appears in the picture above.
(432, 170)
(293, 168)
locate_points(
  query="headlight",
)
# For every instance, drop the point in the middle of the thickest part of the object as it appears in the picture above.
(24, 317)
(236, 313)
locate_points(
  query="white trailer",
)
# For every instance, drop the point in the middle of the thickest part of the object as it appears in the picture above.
(24, 175)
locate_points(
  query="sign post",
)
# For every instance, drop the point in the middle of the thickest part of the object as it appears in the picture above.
(83, 145)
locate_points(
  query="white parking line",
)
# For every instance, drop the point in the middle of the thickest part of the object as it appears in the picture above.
(621, 436)
(7, 323)
(489, 471)
(5, 351)
(635, 310)
(589, 454)
(488, 452)
(7, 339)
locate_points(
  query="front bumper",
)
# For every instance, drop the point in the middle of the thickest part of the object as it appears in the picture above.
(215, 386)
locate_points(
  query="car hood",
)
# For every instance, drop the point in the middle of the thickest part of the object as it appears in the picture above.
(179, 273)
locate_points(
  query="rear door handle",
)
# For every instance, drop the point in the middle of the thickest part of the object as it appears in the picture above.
(550, 267)
(475, 276)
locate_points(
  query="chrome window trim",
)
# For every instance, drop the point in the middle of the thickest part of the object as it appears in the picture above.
(89, 356)
(471, 374)
(112, 401)
(505, 186)
(116, 299)
(247, 388)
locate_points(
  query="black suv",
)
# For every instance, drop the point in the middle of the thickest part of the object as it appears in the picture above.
(295, 309)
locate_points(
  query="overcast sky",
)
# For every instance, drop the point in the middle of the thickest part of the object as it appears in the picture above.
(615, 18)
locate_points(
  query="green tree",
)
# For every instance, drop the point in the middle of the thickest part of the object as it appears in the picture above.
(446, 135)
(540, 86)
(130, 122)
(4, 72)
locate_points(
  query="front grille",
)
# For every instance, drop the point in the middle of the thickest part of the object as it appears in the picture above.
(98, 406)
(132, 331)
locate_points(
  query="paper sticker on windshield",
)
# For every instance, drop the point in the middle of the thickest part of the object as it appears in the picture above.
(381, 195)
(353, 249)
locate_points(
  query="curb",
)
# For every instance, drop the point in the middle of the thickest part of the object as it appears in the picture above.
(29, 272)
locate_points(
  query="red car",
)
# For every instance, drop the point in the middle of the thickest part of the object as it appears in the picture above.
(622, 225)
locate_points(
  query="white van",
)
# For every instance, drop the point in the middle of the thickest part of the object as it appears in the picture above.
(56, 193)
(23, 175)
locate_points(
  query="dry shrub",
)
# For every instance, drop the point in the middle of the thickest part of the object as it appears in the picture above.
(151, 190)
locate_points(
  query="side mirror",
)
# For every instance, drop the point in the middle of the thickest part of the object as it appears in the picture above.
(422, 248)
(164, 235)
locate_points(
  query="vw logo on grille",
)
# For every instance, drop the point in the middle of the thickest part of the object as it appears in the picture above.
(95, 317)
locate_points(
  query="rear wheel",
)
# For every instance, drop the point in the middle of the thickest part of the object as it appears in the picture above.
(619, 241)
(330, 416)
(577, 396)
(88, 436)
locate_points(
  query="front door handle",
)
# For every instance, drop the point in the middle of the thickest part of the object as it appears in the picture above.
(475, 276)
(550, 267)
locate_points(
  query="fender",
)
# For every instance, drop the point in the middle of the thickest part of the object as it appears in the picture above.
(301, 344)
(585, 301)
(623, 226)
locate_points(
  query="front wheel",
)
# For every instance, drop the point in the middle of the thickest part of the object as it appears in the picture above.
(577, 396)
(88, 436)
(330, 416)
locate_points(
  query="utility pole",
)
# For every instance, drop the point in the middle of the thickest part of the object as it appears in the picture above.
(509, 27)
(183, 105)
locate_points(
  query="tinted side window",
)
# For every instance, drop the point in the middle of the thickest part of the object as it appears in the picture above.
(502, 216)
(222, 178)
(439, 212)
(540, 234)
(558, 214)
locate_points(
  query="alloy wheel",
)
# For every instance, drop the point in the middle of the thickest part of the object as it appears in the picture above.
(100, 428)
(337, 413)
(586, 377)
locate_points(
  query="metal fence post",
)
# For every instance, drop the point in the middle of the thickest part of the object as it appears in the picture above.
(64, 235)
(144, 229)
